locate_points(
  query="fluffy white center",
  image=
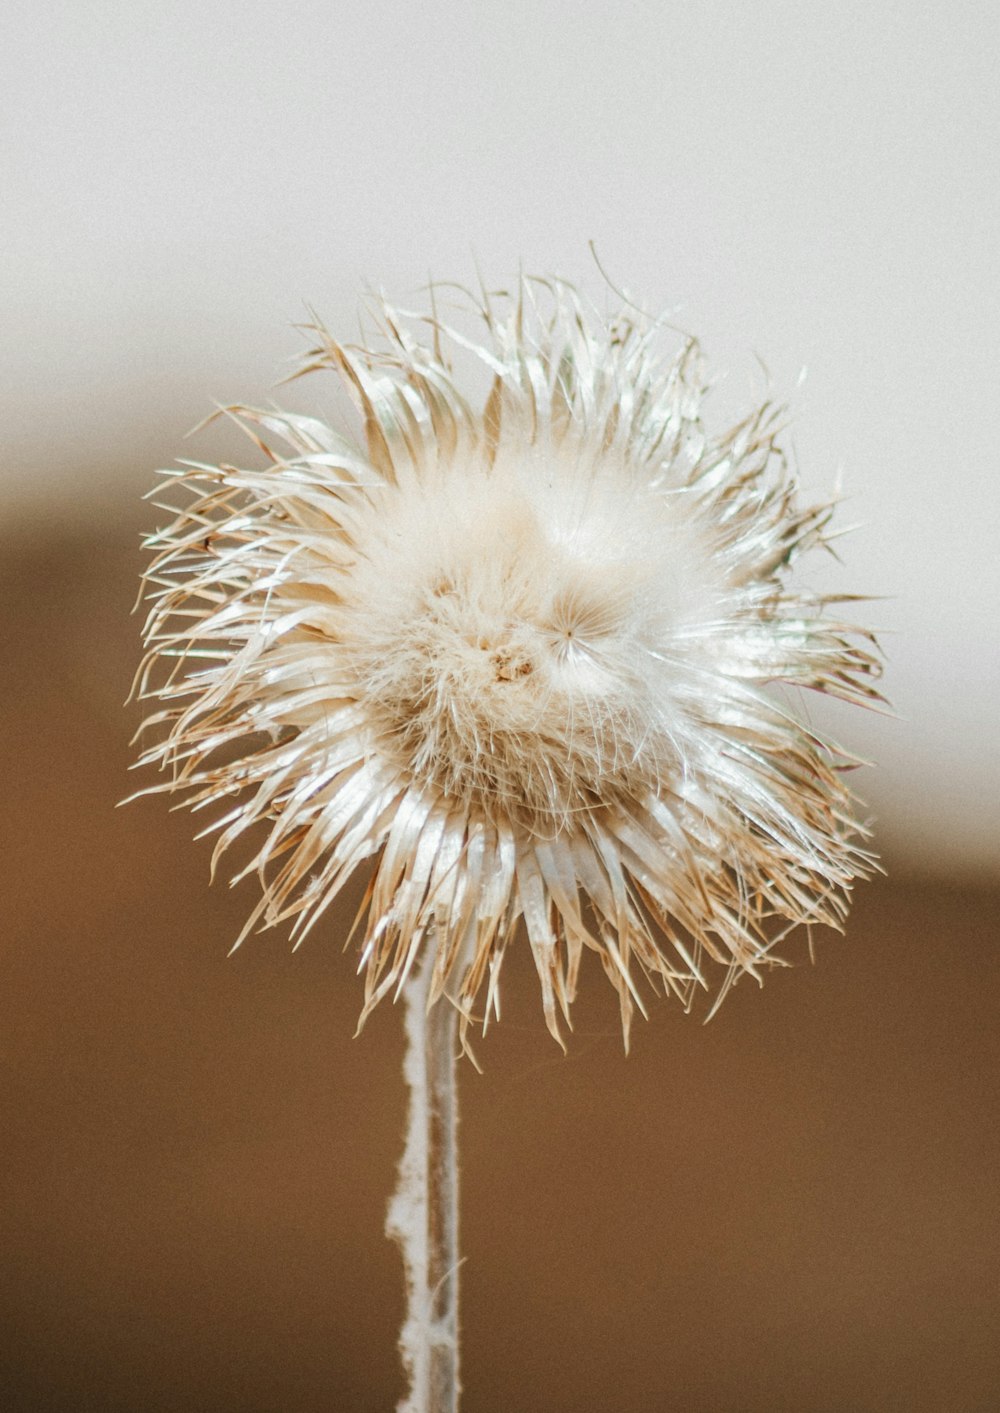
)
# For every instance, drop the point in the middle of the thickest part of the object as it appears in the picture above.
(510, 630)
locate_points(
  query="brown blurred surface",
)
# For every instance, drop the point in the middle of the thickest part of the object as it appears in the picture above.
(793, 1208)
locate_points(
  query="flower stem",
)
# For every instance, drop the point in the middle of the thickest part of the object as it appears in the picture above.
(423, 1212)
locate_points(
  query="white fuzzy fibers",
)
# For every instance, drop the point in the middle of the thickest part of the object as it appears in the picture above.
(508, 622)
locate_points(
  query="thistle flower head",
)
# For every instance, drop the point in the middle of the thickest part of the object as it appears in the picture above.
(523, 657)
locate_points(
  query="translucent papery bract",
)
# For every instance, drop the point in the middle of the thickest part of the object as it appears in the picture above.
(524, 659)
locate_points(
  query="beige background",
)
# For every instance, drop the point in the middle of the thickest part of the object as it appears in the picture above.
(792, 1209)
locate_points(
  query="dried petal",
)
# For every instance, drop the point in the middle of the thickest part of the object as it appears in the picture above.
(524, 659)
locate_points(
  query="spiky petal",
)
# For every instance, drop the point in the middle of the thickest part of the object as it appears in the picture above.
(519, 657)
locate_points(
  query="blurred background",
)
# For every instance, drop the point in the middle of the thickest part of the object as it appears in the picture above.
(791, 1209)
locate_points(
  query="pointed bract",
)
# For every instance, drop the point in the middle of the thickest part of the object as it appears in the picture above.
(520, 658)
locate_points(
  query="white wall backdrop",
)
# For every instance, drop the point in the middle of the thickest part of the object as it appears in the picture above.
(813, 184)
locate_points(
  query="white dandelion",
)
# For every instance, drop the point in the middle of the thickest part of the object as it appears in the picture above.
(524, 659)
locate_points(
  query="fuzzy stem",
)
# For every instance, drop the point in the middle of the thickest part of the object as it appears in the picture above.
(423, 1212)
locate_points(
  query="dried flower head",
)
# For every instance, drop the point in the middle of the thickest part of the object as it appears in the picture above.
(522, 658)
